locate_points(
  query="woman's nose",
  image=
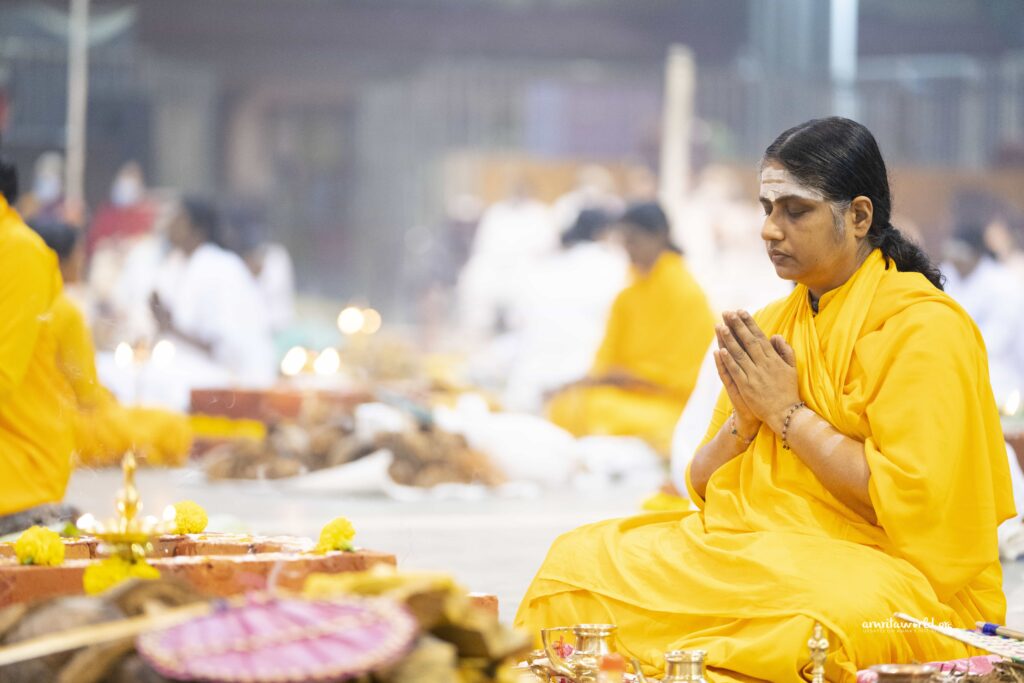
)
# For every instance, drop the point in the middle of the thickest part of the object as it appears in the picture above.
(770, 231)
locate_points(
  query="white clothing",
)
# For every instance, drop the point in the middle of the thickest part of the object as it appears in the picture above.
(512, 230)
(214, 298)
(511, 237)
(135, 278)
(563, 310)
(277, 285)
(992, 295)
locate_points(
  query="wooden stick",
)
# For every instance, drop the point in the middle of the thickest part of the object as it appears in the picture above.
(94, 634)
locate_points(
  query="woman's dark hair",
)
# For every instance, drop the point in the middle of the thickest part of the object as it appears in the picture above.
(60, 237)
(840, 158)
(588, 227)
(8, 180)
(205, 218)
(649, 217)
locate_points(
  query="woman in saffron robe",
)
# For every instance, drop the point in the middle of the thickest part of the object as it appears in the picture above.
(36, 441)
(657, 334)
(854, 465)
(104, 429)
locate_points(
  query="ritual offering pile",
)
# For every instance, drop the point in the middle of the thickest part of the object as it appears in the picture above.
(423, 454)
(291, 447)
(431, 456)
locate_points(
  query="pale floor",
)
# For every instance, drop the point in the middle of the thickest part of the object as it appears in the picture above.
(491, 545)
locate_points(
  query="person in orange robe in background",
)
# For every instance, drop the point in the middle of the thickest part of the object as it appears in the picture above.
(658, 332)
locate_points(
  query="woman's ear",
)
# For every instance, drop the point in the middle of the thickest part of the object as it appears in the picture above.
(861, 213)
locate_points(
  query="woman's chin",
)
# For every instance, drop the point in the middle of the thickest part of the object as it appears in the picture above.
(785, 271)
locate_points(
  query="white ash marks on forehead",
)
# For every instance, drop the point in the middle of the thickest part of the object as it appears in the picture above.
(778, 182)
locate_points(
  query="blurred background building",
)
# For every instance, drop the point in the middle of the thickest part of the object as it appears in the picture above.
(366, 124)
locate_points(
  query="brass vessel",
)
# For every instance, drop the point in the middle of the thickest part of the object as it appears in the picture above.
(684, 666)
(582, 665)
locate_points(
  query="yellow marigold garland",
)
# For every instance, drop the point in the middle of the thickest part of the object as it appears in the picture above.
(336, 535)
(190, 517)
(41, 546)
(101, 576)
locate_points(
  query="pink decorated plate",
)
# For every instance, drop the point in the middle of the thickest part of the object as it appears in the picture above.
(274, 640)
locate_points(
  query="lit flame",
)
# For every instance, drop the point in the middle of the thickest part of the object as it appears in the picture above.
(350, 320)
(123, 355)
(170, 514)
(163, 353)
(327, 363)
(371, 321)
(86, 522)
(1012, 404)
(294, 361)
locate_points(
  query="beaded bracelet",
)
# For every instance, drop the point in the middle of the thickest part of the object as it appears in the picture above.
(735, 432)
(785, 425)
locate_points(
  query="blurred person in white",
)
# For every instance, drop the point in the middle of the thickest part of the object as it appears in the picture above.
(595, 189)
(513, 234)
(564, 305)
(269, 262)
(1003, 238)
(208, 304)
(124, 273)
(989, 291)
(993, 296)
(123, 221)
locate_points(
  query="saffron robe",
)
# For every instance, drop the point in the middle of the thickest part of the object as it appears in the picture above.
(35, 400)
(659, 329)
(104, 429)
